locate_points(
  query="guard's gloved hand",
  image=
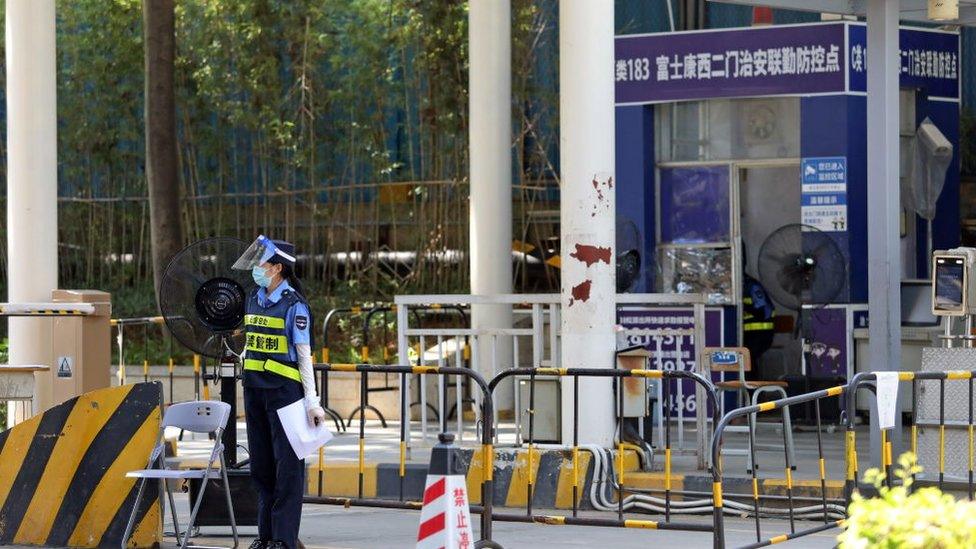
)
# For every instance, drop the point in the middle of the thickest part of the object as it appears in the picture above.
(316, 415)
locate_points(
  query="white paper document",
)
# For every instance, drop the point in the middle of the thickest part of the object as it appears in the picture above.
(303, 437)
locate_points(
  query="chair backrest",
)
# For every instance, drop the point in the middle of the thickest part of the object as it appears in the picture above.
(198, 416)
(727, 359)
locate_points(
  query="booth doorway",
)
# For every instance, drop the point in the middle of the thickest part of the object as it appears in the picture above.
(769, 198)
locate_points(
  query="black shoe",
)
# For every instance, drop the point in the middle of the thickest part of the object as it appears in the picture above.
(258, 544)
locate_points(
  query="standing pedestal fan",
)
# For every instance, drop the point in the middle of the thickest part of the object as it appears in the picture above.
(202, 301)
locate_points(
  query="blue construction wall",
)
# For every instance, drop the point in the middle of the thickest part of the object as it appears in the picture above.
(635, 183)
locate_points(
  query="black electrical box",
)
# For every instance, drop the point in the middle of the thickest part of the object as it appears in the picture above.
(213, 509)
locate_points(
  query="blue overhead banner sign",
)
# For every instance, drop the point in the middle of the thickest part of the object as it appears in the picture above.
(929, 61)
(814, 59)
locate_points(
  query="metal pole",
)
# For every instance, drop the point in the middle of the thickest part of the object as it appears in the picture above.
(884, 255)
(587, 209)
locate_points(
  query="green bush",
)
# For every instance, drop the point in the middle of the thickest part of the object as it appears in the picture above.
(905, 519)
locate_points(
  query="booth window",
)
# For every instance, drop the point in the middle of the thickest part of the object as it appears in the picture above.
(728, 129)
(695, 255)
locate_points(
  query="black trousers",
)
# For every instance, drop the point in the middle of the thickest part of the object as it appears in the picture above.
(277, 473)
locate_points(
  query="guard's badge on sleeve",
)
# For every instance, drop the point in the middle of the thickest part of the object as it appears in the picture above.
(301, 322)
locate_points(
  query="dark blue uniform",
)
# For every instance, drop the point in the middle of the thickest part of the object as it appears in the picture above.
(274, 324)
(758, 328)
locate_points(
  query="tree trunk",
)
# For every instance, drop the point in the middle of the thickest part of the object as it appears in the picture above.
(161, 165)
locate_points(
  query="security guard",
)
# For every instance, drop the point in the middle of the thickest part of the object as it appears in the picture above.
(757, 321)
(277, 372)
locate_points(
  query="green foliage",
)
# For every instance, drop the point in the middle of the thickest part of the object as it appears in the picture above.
(905, 519)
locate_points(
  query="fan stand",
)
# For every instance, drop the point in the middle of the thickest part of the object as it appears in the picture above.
(228, 371)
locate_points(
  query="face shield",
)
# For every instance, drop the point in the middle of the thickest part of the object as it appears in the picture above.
(259, 252)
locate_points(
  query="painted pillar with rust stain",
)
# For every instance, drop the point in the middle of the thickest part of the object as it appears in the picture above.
(587, 212)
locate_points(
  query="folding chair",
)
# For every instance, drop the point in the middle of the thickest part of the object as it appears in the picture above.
(204, 416)
(738, 359)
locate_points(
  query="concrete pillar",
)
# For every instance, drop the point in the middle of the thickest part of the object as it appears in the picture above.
(490, 152)
(32, 214)
(884, 252)
(587, 209)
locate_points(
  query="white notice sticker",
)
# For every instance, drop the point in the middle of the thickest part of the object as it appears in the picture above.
(887, 398)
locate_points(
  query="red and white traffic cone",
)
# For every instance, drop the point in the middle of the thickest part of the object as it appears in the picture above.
(445, 520)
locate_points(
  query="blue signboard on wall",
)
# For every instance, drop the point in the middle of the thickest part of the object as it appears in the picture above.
(823, 194)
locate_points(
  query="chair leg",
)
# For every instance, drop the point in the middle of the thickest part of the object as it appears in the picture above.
(172, 509)
(193, 512)
(788, 427)
(135, 512)
(230, 504)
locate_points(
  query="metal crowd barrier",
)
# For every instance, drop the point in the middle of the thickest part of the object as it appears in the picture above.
(824, 510)
(965, 420)
(487, 436)
(146, 323)
(616, 479)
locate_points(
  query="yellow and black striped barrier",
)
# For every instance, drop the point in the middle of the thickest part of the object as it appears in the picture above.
(363, 482)
(671, 376)
(748, 412)
(62, 473)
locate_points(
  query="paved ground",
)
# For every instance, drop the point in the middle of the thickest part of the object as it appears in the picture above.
(358, 528)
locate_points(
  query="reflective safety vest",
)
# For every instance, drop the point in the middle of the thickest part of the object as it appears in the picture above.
(757, 310)
(267, 359)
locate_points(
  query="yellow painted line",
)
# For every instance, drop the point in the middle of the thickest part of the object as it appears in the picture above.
(475, 476)
(755, 488)
(887, 451)
(171, 367)
(653, 374)
(915, 440)
(958, 374)
(403, 458)
(321, 464)
(489, 461)
(87, 418)
(970, 447)
(569, 476)
(149, 531)
(767, 406)
(325, 354)
(362, 456)
(667, 468)
(425, 369)
(717, 493)
(620, 463)
(102, 505)
(551, 371)
(364, 354)
(356, 310)
(906, 376)
(145, 368)
(789, 479)
(823, 470)
(778, 539)
(196, 364)
(851, 456)
(531, 457)
(834, 391)
(343, 479)
(549, 519)
(522, 477)
(14, 451)
(942, 448)
(343, 367)
(646, 524)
